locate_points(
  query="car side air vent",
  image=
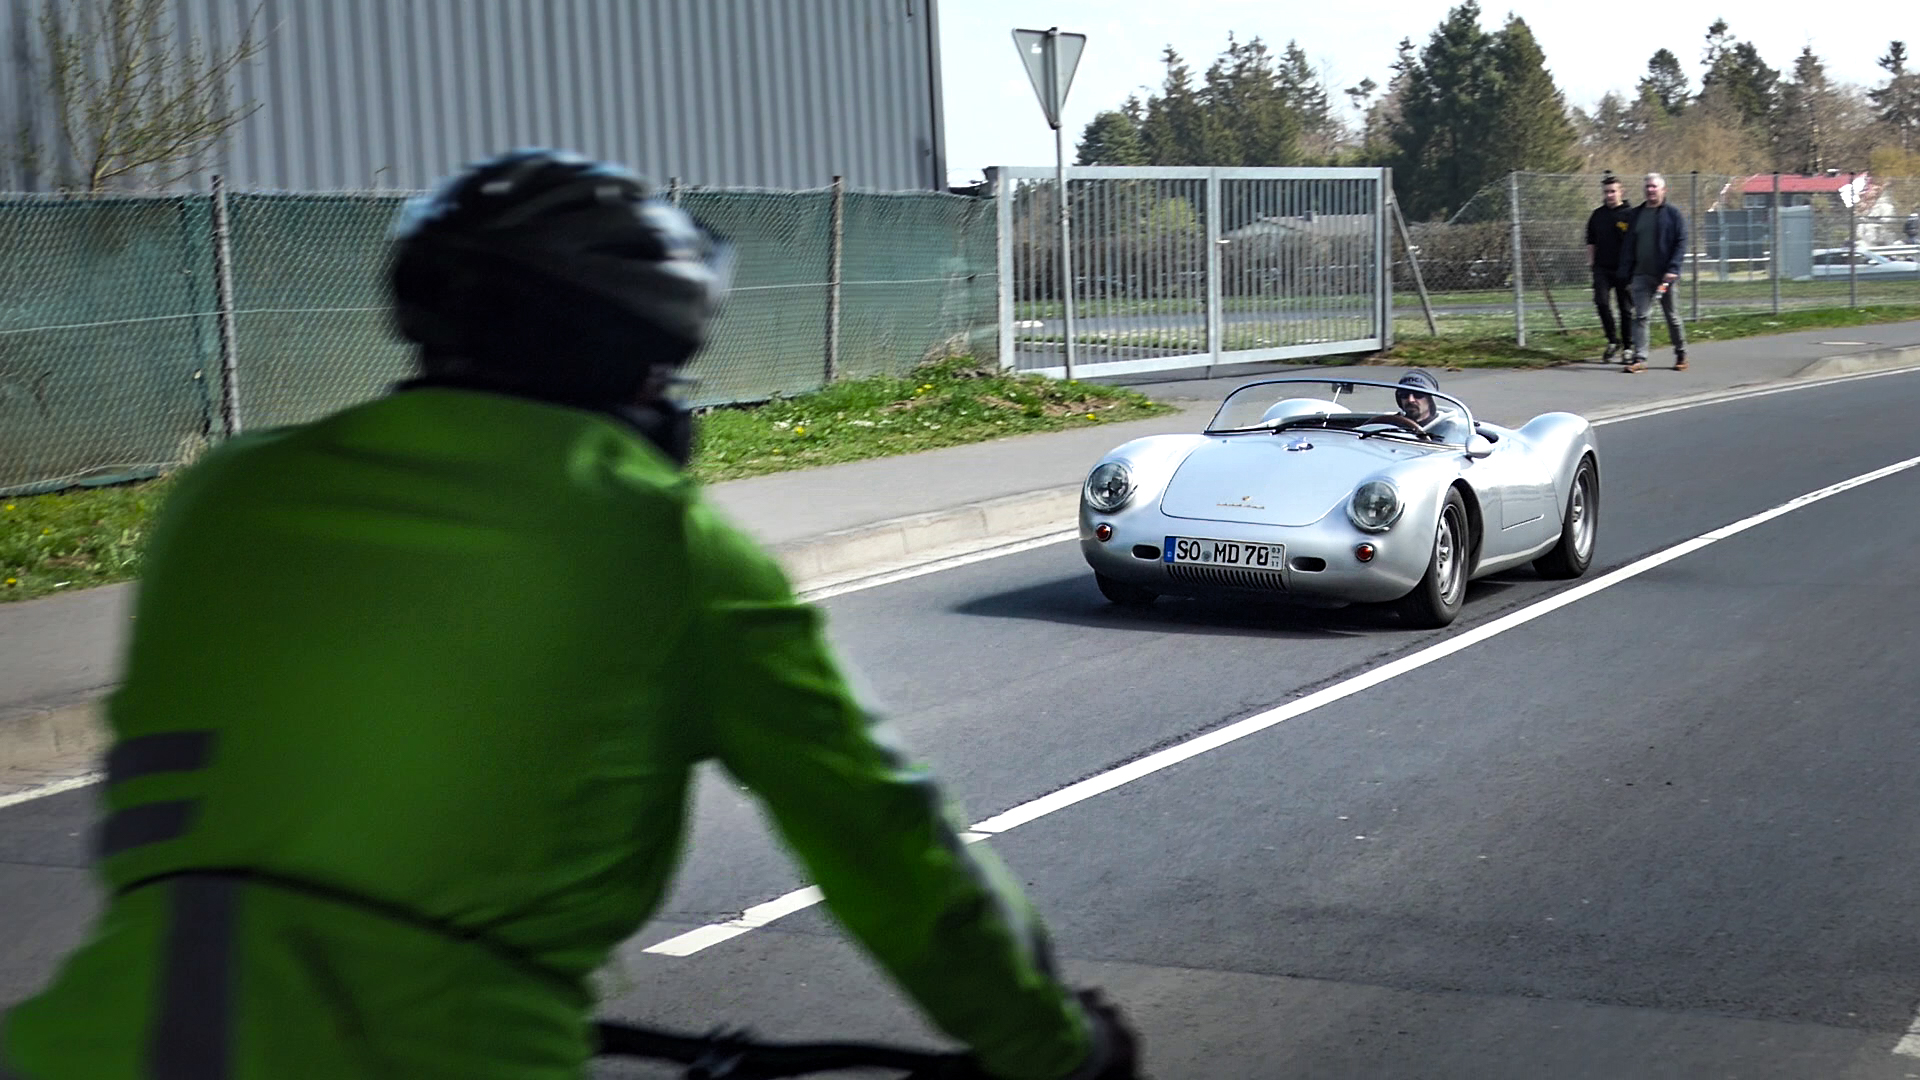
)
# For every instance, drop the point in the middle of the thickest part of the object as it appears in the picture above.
(1145, 551)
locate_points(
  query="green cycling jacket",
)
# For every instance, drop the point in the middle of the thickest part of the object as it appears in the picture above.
(403, 748)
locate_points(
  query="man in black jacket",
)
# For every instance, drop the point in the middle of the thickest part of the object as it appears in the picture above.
(1605, 227)
(1650, 257)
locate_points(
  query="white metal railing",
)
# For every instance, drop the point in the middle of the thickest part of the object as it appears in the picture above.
(1178, 268)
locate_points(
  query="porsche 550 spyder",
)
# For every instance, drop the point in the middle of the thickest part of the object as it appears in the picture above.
(1342, 490)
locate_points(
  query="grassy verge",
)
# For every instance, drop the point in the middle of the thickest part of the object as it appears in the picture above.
(86, 537)
(1487, 341)
(74, 540)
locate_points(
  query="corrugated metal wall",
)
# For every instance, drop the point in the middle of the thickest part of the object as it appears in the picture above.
(385, 94)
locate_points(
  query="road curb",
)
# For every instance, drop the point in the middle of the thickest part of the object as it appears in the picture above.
(1860, 363)
(835, 555)
(29, 740)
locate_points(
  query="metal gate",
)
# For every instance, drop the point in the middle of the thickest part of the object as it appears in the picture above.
(1192, 267)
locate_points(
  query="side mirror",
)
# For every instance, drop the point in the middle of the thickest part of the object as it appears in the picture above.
(1479, 446)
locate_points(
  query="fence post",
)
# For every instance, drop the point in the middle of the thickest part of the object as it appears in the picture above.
(835, 249)
(1773, 243)
(673, 190)
(1693, 241)
(1213, 270)
(1853, 271)
(1003, 262)
(1382, 205)
(1519, 297)
(223, 284)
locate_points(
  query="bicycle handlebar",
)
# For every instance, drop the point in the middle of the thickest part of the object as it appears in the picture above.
(734, 1055)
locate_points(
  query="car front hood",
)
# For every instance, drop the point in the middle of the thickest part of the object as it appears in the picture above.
(1294, 478)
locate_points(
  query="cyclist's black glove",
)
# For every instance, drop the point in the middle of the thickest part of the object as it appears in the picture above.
(1116, 1049)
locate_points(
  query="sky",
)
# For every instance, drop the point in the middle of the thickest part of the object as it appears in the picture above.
(993, 118)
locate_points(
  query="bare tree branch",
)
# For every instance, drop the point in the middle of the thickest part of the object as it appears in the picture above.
(128, 99)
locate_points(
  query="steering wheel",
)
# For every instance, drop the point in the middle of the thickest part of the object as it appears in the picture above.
(1397, 420)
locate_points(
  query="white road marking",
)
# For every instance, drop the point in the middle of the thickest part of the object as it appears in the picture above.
(1722, 397)
(694, 941)
(1909, 1046)
(41, 791)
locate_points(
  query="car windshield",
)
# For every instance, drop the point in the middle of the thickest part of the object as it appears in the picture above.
(1368, 409)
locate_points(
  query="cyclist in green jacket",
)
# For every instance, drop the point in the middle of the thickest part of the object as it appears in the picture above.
(403, 745)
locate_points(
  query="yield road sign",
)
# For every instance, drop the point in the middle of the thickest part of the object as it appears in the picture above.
(1051, 58)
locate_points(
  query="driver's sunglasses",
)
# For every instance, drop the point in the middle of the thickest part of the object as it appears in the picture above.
(1408, 397)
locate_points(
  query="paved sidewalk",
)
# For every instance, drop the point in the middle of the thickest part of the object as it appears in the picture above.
(63, 650)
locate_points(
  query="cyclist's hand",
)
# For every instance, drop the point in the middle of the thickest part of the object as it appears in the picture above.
(1116, 1049)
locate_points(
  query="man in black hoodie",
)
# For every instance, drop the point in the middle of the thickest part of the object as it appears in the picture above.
(1650, 257)
(1606, 226)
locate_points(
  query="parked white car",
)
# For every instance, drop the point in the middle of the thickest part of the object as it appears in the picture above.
(1833, 262)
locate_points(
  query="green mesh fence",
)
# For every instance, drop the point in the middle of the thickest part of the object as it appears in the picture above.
(110, 359)
(917, 280)
(311, 330)
(108, 349)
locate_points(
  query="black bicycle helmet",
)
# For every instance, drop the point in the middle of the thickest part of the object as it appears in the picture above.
(547, 273)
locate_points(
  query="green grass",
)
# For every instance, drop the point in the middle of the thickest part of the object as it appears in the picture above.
(1487, 340)
(94, 536)
(74, 540)
(945, 404)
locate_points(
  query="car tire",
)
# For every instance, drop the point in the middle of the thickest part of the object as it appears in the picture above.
(1579, 527)
(1437, 599)
(1124, 594)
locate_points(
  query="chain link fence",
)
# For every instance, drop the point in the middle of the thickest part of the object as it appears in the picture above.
(1476, 287)
(112, 364)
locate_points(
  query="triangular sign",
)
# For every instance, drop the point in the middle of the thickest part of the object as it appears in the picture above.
(1051, 58)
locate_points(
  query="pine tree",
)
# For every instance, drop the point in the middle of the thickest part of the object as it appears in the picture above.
(1111, 138)
(1807, 115)
(1441, 136)
(1740, 79)
(1897, 104)
(1321, 131)
(1530, 129)
(1171, 129)
(1248, 119)
(1665, 82)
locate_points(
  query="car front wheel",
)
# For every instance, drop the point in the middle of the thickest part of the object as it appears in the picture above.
(1437, 599)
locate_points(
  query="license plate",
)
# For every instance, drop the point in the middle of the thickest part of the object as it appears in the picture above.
(1235, 553)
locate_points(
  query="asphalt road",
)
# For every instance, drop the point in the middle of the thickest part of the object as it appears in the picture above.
(1668, 830)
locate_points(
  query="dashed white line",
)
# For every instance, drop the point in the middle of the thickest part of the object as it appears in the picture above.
(693, 941)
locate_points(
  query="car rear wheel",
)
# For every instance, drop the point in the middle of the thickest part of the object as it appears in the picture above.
(1579, 525)
(1437, 599)
(1124, 594)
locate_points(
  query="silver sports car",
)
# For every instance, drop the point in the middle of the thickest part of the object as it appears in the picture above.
(1342, 490)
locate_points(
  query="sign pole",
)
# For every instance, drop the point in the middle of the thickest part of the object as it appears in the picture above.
(1052, 74)
(1066, 236)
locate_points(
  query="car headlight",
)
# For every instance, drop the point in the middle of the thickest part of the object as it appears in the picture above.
(1375, 506)
(1109, 487)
